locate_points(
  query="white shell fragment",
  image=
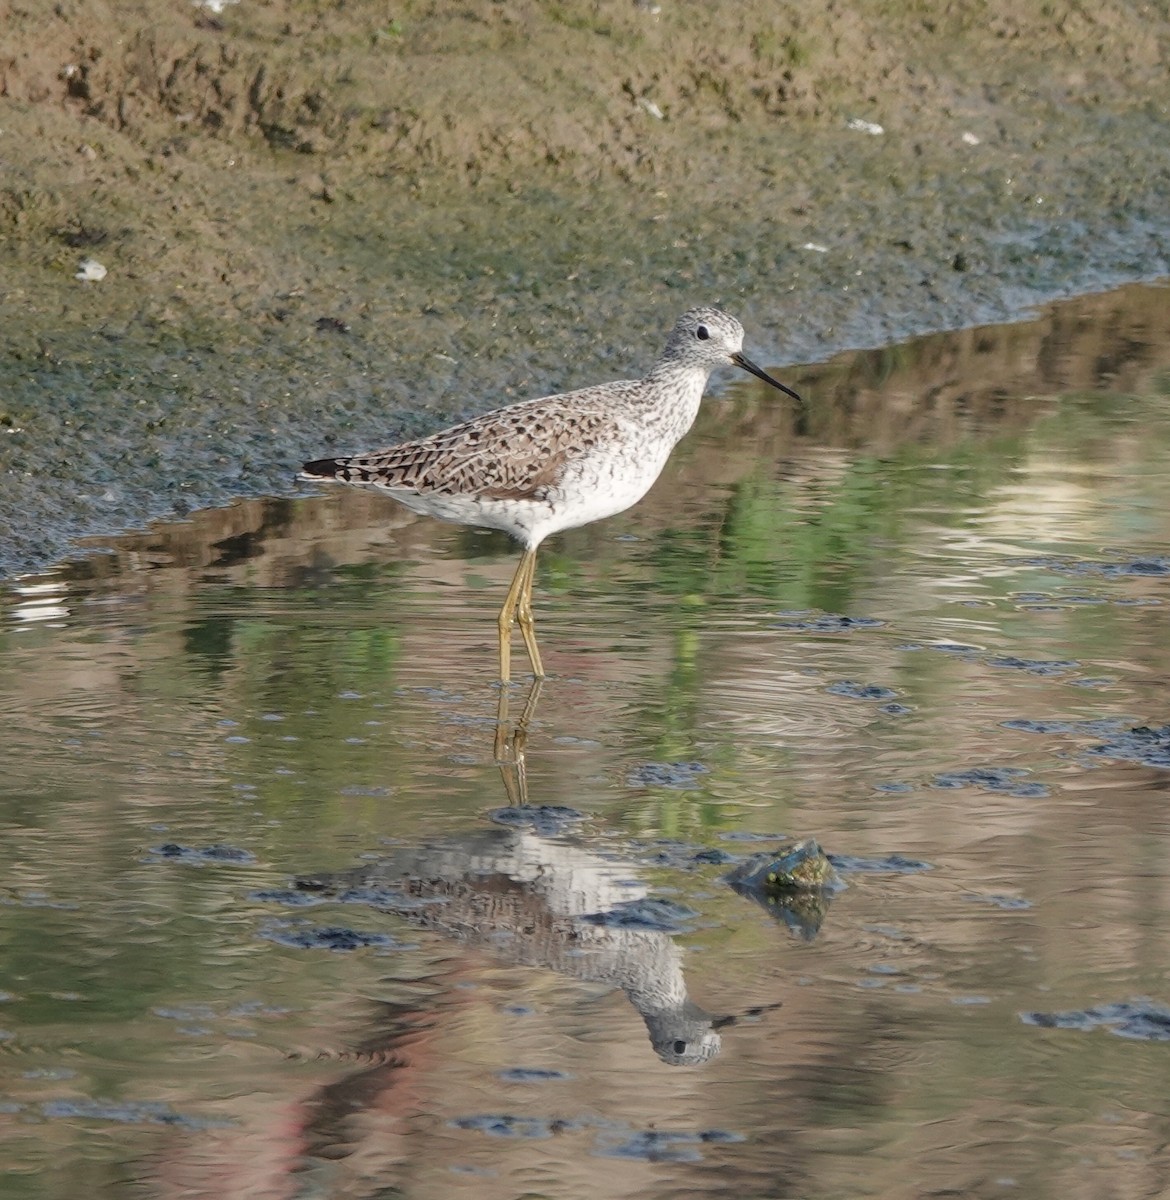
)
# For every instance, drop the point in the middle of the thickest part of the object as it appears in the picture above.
(90, 270)
(860, 126)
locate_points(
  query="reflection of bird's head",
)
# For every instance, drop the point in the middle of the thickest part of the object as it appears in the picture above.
(689, 1036)
(681, 1052)
(685, 1036)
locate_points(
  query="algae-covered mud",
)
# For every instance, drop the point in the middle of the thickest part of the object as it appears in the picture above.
(334, 221)
(298, 903)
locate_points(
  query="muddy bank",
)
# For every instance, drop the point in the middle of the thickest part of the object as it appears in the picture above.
(323, 226)
(970, 388)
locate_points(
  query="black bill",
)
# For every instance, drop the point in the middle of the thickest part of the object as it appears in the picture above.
(742, 360)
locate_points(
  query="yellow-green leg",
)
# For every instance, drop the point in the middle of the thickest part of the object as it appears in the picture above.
(518, 607)
(524, 617)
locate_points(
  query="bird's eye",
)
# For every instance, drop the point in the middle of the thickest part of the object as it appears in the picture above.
(702, 333)
(680, 1046)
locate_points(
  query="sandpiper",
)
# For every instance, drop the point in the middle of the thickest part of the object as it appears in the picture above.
(557, 462)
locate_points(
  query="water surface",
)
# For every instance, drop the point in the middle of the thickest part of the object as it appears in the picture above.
(920, 630)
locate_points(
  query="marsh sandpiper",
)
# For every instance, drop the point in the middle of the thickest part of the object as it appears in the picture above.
(556, 462)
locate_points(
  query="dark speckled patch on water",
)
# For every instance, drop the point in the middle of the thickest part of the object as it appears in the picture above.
(712, 854)
(664, 852)
(532, 1075)
(200, 855)
(679, 856)
(1141, 1019)
(507, 1125)
(680, 775)
(125, 1112)
(300, 935)
(1010, 781)
(828, 623)
(1104, 727)
(1034, 666)
(895, 864)
(860, 691)
(292, 897)
(651, 913)
(548, 820)
(1153, 566)
(1138, 566)
(660, 1145)
(1145, 744)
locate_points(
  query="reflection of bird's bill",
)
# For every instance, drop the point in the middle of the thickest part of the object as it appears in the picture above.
(742, 361)
(757, 1011)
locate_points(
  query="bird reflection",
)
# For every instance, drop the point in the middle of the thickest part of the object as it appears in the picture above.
(544, 900)
(512, 740)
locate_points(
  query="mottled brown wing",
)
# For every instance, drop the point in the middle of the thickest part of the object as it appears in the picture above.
(514, 453)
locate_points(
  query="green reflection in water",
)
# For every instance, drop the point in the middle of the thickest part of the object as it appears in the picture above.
(311, 683)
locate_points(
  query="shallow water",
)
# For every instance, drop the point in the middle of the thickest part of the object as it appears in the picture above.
(202, 715)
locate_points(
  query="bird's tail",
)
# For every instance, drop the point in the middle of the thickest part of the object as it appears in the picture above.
(322, 468)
